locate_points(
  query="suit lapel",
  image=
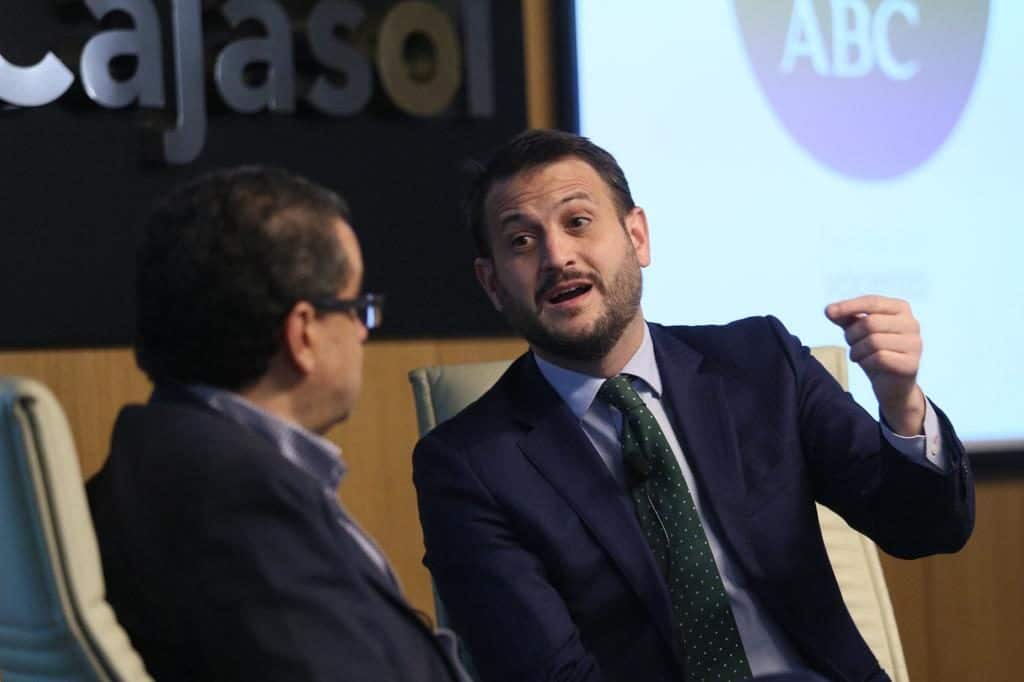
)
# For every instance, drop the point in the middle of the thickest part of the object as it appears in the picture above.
(561, 451)
(699, 400)
(390, 591)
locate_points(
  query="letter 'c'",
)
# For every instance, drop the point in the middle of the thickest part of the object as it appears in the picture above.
(36, 85)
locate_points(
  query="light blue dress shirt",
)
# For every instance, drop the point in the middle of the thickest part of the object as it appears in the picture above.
(321, 459)
(313, 454)
(767, 647)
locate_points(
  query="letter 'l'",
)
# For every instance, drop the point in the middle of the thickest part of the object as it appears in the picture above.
(183, 143)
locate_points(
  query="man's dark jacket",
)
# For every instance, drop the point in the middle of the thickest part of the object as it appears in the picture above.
(224, 561)
(537, 553)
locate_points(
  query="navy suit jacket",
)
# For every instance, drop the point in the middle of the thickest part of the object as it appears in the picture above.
(223, 561)
(537, 553)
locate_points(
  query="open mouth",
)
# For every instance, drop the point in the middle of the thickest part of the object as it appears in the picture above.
(561, 295)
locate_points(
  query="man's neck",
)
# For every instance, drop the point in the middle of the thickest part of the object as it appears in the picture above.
(281, 395)
(612, 362)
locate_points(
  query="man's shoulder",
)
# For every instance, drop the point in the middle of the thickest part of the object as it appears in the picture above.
(743, 342)
(713, 337)
(499, 408)
(177, 423)
(188, 443)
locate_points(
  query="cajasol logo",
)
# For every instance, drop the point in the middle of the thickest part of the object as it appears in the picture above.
(331, 60)
(870, 88)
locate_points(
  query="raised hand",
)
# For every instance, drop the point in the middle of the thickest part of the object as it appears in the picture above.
(885, 340)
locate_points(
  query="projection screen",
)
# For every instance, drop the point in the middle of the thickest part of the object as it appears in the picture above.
(791, 153)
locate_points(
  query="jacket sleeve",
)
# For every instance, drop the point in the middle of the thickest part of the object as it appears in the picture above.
(283, 594)
(496, 591)
(907, 507)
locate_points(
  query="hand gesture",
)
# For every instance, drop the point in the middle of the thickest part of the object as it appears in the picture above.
(885, 340)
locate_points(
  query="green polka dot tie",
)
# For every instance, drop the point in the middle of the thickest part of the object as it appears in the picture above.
(673, 530)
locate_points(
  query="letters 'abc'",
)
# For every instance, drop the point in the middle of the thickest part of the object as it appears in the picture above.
(860, 39)
(870, 88)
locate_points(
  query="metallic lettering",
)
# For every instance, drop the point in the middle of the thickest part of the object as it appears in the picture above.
(410, 92)
(183, 144)
(36, 85)
(143, 42)
(277, 92)
(416, 50)
(350, 98)
(476, 31)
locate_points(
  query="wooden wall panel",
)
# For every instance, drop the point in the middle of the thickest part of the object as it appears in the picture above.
(540, 71)
(377, 440)
(961, 616)
(91, 384)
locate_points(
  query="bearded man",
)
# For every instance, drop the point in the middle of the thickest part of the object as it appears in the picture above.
(636, 502)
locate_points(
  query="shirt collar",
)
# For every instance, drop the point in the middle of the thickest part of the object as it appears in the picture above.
(314, 454)
(579, 390)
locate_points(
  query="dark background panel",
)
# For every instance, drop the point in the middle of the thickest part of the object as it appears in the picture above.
(77, 184)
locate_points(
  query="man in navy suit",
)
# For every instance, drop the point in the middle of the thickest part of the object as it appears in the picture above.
(226, 551)
(539, 523)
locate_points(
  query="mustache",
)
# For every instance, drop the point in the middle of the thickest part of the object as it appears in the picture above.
(553, 279)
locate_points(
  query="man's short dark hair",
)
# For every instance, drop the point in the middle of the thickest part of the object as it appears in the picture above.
(529, 150)
(222, 261)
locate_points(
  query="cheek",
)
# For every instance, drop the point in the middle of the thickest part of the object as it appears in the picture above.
(357, 377)
(516, 279)
(356, 358)
(511, 296)
(350, 375)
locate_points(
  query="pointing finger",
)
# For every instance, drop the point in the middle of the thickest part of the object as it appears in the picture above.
(848, 311)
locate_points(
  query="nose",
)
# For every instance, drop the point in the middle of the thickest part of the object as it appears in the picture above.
(558, 252)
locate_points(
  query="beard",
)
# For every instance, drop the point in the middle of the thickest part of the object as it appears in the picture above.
(622, 302)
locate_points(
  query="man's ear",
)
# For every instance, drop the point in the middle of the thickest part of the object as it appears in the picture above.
(300, 337)
(484, 268)
(636, 227)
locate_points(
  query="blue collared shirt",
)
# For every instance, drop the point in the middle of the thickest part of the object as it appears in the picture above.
(767, 647)
(313, 454)
(321, 459)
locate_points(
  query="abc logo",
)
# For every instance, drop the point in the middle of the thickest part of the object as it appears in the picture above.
(870, 88)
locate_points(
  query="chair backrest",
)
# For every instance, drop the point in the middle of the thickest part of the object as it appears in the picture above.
(440, 392)
(855, 562)
(55, 623)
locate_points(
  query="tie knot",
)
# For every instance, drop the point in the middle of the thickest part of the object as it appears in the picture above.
(620, 394)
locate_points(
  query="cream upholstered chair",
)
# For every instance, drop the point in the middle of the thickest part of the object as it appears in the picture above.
(855, 562)
(442, 391)
(55, 623)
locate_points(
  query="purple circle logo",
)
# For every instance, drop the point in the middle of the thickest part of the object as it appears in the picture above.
(871, 88)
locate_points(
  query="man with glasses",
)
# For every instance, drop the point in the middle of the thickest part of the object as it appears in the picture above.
(226, 551)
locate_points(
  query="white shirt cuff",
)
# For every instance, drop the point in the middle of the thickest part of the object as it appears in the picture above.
(926, 448)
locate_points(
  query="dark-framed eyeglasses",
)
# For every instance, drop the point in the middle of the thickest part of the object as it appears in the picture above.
(368, 308)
